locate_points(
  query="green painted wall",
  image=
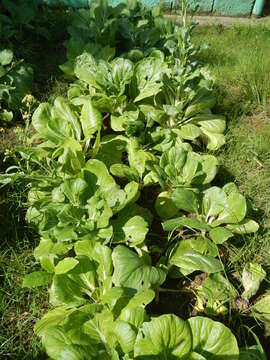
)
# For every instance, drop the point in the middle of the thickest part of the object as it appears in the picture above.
(204, 6)
(234, 7)
(218, 7)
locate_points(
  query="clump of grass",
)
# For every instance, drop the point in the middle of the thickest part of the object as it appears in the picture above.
(19, 308)
(254, 77)
(239, 59)
(247, 155)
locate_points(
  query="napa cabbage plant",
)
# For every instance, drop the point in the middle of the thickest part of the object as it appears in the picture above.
(121, 193)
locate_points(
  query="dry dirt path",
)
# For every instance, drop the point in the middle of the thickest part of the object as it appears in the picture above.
(225, 21)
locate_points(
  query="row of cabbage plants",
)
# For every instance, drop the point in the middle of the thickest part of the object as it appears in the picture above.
(121, 179)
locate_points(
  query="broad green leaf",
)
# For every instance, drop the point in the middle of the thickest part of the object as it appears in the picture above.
(131, 225)
(196, 356)
(214, 201)
(214, 294)
(125, 335)
(261, 310)
(65, 265)
(133, 271)
(65, 233)
(122, 71)
(214, 141)
(201, 244)
(209, 168)
(165, 337)
(189, 260)
(91, 119)
(64, 111)
(190, 132)
(51, 319)
(124, 171)
(135, 230)
(211, 122)
(244, 227)
(252, 276)
(6, 57)
(184, 221)
(164, 206)
(74, 189)
(70, 156)
(219, 235)
(6, 115)
(185, 200)
(99, 169)
(109, 145)
(148, 75)
(60, 345)
(37, 278)
(86, 68)
(204, 99)
(42, 119)
(101, 254)
(136, 156)
(134, 312)
(235, 209)
(212, 339)
(100, 329)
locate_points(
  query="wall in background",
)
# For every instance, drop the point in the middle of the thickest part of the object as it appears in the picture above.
(217, 7)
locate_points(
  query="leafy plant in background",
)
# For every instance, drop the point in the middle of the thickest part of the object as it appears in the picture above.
(15, 82)
(16, 17)
(105, 167)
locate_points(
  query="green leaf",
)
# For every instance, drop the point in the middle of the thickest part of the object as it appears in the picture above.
(185, 200)
(109, 145)
(214, 201)
(132, 230)
(6, 57)
(261, 310)
(97, 168)
(190, 132)
(244, 227)
(133, 271)
(6, 115)
(215, 293)
(131, 225)
(125, 335)
(124, 171)
(148, 75)
(219, 235)
(235, 209)
(136, 156)
(189, 260)
(211, 122)
(252, 276)
(179, 223)
(164, 206)
(100, 330)
(214, 141)
(63, 110)
(86, 68)
(66, 265)
(36, 279)
(212, 339)
(91, 119)
(74, 189)
(165, 337)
